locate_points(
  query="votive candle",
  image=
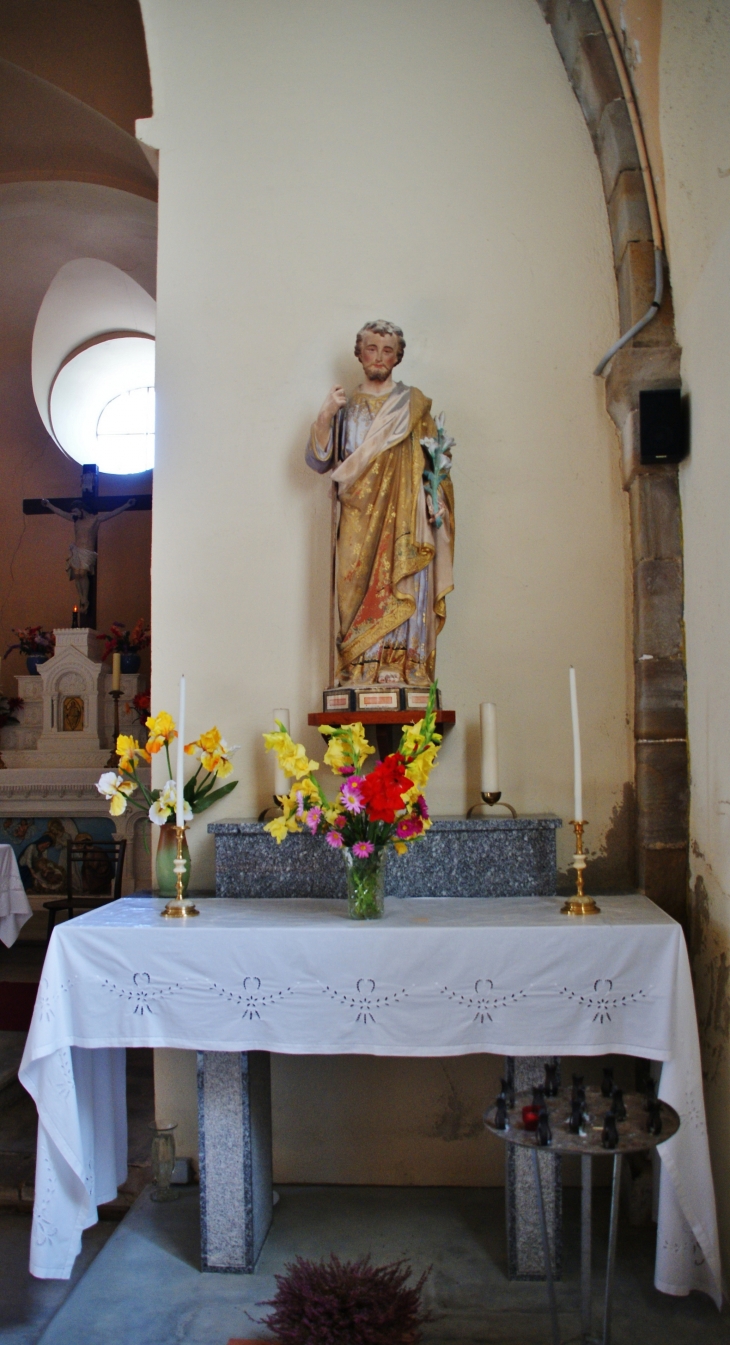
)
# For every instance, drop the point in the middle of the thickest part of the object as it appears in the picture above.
(488, 726)
(281, 781)
(116, 672)
(180, 781)
(577, 767)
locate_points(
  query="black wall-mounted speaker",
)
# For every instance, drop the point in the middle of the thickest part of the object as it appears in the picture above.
(662, 426)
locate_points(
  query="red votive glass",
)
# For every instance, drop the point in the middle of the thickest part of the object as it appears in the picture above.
(530, 1117)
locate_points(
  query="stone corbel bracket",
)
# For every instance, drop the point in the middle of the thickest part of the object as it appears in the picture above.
(650, 360)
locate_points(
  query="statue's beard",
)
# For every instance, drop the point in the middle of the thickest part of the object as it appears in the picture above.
(377, 375)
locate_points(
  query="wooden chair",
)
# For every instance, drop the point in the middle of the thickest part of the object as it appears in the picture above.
(100, 865)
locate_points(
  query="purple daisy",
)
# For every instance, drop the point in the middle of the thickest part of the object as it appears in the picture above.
(363, 849)
(312, 819)
(334, 839)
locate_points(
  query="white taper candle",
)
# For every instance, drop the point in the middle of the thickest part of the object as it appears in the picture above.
(577, 769)
(488, 726)
(180, 779)
(281, 781)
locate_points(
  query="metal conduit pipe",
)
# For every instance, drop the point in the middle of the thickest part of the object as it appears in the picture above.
(656, 228)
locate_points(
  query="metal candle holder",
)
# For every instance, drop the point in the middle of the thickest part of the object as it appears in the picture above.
(113, 754)
(492, 799)
(180, 907)
(580, 904)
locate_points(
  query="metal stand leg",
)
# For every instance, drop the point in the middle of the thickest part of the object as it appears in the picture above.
(612, 1236)
(546, 1250)
(586, 1176)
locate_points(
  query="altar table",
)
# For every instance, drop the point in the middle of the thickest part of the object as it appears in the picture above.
(435, 977)
(15, 908)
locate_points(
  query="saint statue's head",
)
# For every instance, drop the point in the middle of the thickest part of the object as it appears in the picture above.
(379, 346)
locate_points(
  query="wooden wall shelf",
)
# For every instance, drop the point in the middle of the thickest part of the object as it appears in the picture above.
(387, 723)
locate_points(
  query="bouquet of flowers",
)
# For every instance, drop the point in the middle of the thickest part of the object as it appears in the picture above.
(371, 811)
(33, 640)
(139, 706)
(214, 760)
(121, 641)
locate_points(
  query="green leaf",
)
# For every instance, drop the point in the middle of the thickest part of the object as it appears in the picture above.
(200, 805)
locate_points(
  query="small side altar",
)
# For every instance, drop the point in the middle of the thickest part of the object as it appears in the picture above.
(440, 978)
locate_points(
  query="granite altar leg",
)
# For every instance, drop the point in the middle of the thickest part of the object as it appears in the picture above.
(234, 1118)
(524, 1244)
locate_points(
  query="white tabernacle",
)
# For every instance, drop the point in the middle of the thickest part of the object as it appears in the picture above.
(15, 908)
(441, 977)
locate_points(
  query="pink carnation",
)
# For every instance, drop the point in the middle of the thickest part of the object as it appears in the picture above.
(408, 827)
(363, 849)
(334, 839)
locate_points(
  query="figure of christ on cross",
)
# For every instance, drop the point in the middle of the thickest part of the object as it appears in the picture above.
(82, 555)
(86, 517)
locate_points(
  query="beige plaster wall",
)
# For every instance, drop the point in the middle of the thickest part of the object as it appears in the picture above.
(695, 123)
(321, 164)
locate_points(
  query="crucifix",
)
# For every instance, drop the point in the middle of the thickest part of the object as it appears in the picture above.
(85, 514)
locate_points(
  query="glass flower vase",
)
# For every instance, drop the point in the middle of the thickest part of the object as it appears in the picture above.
(166, 852)
(365, 884)
(163, 1160)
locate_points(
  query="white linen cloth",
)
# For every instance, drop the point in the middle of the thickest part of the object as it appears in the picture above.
(15, 908)
(435, 977)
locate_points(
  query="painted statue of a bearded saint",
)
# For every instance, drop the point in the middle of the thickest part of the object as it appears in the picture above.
(395, 538)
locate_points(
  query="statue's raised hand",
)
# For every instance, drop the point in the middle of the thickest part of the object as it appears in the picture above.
(336, 397)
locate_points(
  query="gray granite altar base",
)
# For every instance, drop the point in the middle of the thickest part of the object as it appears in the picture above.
(458, 857)
(234, 1118)
(524, 1239)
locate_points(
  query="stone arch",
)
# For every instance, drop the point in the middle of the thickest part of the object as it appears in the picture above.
(650, 360)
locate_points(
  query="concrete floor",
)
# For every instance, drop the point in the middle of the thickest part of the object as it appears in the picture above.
(144, 1287)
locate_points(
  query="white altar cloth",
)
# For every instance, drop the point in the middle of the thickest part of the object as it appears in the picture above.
(435, 977)
(15, 908)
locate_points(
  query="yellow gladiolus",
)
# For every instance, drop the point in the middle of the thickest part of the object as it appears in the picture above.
(400, 847)
(277, 828)
(162, 731)
(348, 746)
(292, 756)
(421, 766)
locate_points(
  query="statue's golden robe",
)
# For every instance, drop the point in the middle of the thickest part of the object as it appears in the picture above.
(394, 566)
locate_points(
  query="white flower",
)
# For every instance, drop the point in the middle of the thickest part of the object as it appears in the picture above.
(167, 804)
(158, 813)
(115, 788)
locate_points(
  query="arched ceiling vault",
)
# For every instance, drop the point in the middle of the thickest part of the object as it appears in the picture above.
(650, 360)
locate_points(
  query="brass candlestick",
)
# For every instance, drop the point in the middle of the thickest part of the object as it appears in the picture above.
(580, 904)
(492, 799)
(180, 907)
(113, 754)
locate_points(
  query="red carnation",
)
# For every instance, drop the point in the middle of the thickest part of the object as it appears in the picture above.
(382, 791)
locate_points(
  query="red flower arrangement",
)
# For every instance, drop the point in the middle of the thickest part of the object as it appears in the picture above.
(122, 641)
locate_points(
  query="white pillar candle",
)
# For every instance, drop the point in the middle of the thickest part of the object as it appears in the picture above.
(577, 769)
(180, 781)
(281, 781)
(488, 725)
(116, 672)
